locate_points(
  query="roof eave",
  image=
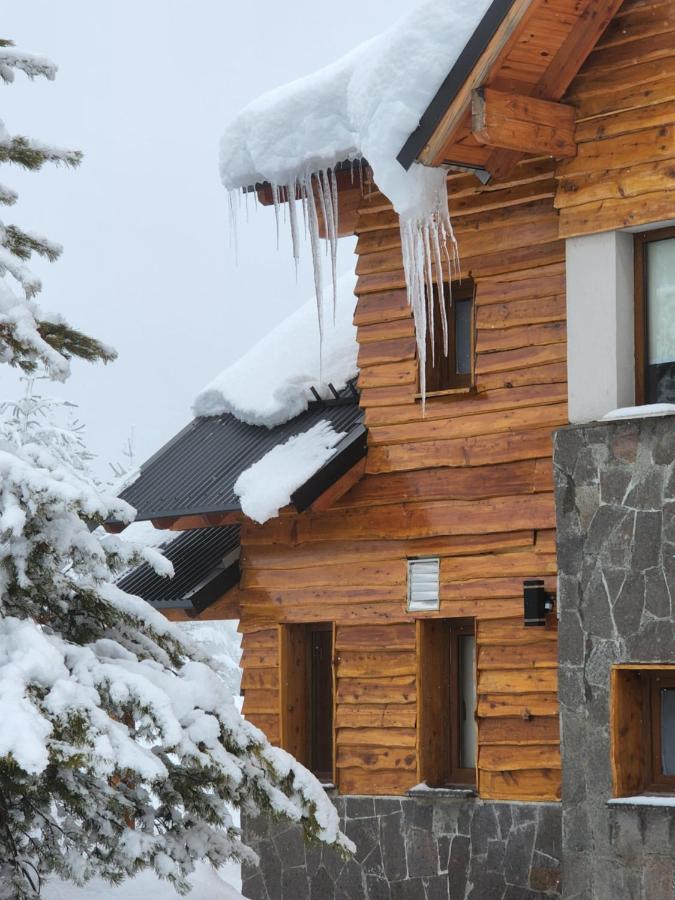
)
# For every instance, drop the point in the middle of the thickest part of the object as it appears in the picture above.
(458, 74)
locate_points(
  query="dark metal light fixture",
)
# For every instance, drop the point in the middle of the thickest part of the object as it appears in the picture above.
(537, 602)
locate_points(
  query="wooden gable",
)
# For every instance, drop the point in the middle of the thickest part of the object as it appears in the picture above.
(506, 106)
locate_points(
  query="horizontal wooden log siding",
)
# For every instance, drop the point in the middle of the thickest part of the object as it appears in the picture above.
(624, 171)
(470, 481)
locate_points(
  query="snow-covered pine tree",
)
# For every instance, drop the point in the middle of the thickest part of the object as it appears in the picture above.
(27, 336)
(38, 418)
(120, 746)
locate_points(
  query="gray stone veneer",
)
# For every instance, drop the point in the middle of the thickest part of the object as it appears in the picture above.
(615, 500)
(413, 849)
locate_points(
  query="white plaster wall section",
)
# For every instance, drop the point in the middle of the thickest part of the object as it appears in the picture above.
(600, 329)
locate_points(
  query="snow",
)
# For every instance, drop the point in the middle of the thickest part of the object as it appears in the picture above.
(206, 884)
(54, 570)
(270, 384)
(363, 106)
(221, 642)
(266, 486)
(640, 412)
(643, 800)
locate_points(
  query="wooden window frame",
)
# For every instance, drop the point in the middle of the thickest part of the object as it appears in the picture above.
(438, 698)
(456, 384)
(653, 682)
(635, 728)
(297, 693)
(458, 774)
(640, 242)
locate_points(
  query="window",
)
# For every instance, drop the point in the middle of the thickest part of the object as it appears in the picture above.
(307, 695)
(655, 316)
(643, 730)
(423, 584)
(454, 370)
(447, 701)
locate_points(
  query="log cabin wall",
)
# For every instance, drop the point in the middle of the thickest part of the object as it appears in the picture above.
(624, 171)
(470, 482)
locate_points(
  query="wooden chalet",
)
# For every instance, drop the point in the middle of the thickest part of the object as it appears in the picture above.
(383, 623)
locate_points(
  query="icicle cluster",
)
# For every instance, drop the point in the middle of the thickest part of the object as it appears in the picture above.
(425, 237)
(427, 241)
(317, 195)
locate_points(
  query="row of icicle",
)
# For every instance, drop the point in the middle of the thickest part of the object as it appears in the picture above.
(427, 242)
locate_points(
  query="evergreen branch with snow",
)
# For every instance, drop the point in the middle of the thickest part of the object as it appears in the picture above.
(31, 65)
(31, 154)
(8, 197)
(70, 342)
(29, 339)
(24, 243)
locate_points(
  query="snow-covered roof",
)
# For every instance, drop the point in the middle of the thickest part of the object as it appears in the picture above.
(364, 105)
(271, 383)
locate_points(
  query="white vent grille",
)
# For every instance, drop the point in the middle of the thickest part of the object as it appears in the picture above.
(423, 584)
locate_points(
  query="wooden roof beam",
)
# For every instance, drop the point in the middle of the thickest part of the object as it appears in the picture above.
(495, 69)
(512, 122)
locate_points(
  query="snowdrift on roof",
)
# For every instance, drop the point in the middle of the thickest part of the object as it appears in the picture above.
(270, 384)
(268, 485)
(364, 105)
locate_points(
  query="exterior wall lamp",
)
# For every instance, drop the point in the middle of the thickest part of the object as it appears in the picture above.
(537, 602)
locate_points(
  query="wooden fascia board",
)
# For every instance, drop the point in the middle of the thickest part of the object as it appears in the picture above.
(205, 520)
(499, 46)
(336, 491)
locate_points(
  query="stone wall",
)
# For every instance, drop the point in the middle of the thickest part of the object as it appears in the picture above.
(413, 849)
(615, 499)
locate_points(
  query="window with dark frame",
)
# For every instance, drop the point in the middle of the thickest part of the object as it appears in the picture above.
(655, 316)
(643, 730)
(306, 661)
(454, 370)
(320, 687)
(447, 701)
(659, 700)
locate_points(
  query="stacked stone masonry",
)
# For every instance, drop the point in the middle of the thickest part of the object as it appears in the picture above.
(413, 849)
(615, 500)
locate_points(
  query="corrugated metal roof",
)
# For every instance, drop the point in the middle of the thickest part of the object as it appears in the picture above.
(195, 472)
(205, 563)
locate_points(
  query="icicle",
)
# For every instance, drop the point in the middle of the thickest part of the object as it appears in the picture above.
(336, 237)
(315, 243)
(233, 197)
(246, 193)
(429, 290)
(436, 244)
(275, 200)
(329, 211)
(293, 217)
(319, 177)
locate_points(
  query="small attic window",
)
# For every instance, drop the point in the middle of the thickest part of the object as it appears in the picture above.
(454, 371)
(423, 584)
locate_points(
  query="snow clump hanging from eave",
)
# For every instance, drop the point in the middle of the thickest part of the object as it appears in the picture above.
(364, 106)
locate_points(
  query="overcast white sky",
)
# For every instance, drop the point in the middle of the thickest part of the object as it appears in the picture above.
(145, 88)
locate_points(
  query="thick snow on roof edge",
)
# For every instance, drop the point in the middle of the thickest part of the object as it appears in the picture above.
(364, 105)
(267, 486)
(271, 382)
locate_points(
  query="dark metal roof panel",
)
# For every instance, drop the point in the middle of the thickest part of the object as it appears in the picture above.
(455, 79)
(195, 472)
(198, 556)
